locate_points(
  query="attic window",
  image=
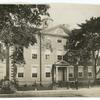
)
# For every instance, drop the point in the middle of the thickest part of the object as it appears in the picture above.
(59, 41)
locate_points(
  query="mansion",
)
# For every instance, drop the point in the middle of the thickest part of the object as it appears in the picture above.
(44, 61)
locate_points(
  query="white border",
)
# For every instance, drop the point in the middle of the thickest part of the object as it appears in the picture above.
(49, 1)
(45, 2)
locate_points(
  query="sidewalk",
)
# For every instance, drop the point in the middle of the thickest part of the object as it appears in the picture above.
(83, 92)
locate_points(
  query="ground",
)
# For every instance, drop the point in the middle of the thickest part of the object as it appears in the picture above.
(83, 92)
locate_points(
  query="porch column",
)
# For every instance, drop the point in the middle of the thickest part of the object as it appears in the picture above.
(67, 71)
(56, 74)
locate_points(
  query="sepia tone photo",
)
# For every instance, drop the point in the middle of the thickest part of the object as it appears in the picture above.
(50, 50)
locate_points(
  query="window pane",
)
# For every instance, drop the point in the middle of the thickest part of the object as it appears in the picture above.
(89, 74)
(34, 56)
(70, 75)
(59, 41)
(20, 75)
(47, 56)
(34, 74)
(59, 57)
(80, 74)
(47, 74)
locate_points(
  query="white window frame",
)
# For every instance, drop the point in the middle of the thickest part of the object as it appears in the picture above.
(80, 71)
(35, 71)
(70, 72)
(90, 71)
(20, 69)
(48, 70)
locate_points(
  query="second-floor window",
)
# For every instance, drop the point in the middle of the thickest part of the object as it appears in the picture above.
(34, 56)
(59, 57)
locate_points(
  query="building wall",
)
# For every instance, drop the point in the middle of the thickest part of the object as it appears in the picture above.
(2, 70)
(53, 50)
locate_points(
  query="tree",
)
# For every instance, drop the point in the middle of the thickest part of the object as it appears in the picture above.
(18, 26)
(76, 53)
(91, 32)
(87, 39)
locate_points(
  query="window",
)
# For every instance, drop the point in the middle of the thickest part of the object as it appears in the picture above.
(70, 75)
(34, 72)
(47, 71)
(59, 41)
(89, 71)
(89, 74)
(80, 74)
(47, 56)
(80, 71)
(20, 74)
(34, 56)
(59, 57)
(71, 72)
(47, 74)
(20, 71)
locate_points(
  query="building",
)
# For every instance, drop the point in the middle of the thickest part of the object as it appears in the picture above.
(44, 61)
(38, 68)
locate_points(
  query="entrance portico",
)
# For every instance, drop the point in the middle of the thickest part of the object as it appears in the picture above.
(60, 72)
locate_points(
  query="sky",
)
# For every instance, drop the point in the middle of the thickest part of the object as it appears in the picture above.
(72, 14)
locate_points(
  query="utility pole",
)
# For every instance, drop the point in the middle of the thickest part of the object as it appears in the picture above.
(40, 60)
(45, 25)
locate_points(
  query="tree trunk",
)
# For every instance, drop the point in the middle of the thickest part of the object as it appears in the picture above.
(95, 69)
(76, 72)
(7, 62)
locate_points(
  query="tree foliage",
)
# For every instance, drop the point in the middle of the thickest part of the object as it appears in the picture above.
(18, 26)
(84, 43)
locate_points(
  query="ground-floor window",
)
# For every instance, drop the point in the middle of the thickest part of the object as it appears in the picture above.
(20, 74)
(47, 74)
(34, 74)
(34, 71)
(80, 71)
(71, 72)
(20, 71)
(89, 71)
(48, 71)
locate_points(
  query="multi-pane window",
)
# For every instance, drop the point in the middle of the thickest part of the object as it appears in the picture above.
(20, 74)
(80, 71)
(34, 53)
(48, 71)
(47, 56)
(59, 41)
(59, 57)
(71, 72)
(20, 71)
(90, 71)
(34, 72)
(34, 56)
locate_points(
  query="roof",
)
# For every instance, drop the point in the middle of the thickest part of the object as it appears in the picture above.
(61, 63)
(60, 30)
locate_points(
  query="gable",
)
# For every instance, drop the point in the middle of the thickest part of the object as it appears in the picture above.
(58, 30)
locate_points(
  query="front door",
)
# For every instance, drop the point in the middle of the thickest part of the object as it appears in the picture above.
(61, 74)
